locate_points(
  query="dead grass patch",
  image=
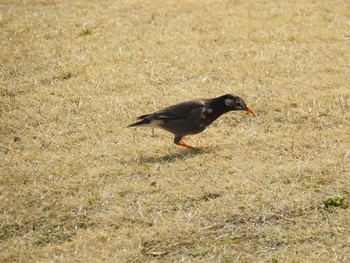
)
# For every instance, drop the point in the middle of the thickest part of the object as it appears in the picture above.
(76, 185)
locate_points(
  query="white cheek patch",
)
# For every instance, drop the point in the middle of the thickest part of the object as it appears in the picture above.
(209, 110)
(228, 102)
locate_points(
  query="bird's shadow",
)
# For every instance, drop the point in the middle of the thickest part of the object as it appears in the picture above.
(172, 157)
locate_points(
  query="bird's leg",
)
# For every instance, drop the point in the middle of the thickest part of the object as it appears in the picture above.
(182, 143)
(178, 141)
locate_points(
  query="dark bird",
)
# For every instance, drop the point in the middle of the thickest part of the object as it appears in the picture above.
(191, 117)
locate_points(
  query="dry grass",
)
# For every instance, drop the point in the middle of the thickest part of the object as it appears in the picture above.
(77, 186)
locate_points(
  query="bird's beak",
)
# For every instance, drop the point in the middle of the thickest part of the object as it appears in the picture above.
(251, 111)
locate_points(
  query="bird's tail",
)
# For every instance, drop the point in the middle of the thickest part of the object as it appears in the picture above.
(139, 123)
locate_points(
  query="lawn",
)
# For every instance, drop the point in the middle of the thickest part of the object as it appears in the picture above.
(77, 186)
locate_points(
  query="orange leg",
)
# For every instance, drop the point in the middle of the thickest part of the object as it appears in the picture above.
(182, 143)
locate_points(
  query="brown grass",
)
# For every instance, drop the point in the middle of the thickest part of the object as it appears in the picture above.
(77, 186)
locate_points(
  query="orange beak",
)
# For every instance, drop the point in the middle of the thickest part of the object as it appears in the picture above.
(251, 111)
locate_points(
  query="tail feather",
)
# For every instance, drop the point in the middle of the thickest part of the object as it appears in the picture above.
(139, 123)
(143, 116)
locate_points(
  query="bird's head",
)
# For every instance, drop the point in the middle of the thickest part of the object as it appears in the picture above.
(234, 102)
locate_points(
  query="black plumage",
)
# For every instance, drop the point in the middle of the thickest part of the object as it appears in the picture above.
(191, 117)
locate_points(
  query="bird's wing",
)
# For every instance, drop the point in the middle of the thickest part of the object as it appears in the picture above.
(177, 111)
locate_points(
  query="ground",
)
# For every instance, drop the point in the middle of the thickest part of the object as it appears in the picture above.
(77, 186)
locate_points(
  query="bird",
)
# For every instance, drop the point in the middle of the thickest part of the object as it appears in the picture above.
(191, 117)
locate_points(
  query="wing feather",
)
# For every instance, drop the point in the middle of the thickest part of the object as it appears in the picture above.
(177, 111)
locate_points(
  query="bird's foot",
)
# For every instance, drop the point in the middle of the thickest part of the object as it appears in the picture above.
(182, 143)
